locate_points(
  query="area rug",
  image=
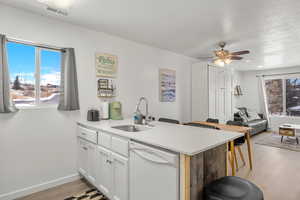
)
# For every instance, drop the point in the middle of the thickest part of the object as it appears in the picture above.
(92, 194)
(274, 140)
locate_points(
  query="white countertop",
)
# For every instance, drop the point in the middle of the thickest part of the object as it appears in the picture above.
(178, 138)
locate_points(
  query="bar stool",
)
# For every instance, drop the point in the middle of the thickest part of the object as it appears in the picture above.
(237, 144)
(232, 188)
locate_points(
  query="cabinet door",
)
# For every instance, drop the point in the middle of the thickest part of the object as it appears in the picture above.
(91, 163)
(119, 177)
(104, 175)
(82, 157)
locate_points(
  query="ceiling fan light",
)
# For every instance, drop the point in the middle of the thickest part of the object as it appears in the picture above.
(65, 4)
(228, 61)
(219, 62)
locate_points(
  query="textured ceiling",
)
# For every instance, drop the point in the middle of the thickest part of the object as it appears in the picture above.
(270, 29)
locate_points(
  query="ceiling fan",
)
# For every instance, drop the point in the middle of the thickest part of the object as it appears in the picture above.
(223, 56)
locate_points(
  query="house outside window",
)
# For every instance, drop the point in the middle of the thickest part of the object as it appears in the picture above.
(34, 75)
(283, 95)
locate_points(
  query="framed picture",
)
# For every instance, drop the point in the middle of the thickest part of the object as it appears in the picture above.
(167, 85)
(106, 65)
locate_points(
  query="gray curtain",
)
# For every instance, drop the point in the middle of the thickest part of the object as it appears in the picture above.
(6, 104)
(69, 86)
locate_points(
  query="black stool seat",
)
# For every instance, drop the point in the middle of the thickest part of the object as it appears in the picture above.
(232, 188)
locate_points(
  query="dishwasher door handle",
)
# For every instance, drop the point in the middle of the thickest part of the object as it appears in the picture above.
(160, 160)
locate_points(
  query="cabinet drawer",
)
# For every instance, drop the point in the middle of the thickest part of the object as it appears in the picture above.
(120, 145)
(87, 134)
(104, 140)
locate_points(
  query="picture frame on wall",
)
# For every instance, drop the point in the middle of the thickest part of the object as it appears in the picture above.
(167, 85)
(106, 65)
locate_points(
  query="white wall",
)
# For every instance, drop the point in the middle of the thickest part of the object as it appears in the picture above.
(236, 80)
(250, 99)
(37, 146)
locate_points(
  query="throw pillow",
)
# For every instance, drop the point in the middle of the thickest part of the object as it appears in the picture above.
(253, 115)
(243, 116)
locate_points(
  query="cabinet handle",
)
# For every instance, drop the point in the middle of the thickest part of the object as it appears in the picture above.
(85, 148)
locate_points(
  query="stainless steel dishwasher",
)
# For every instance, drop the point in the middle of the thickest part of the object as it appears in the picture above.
(154, 173)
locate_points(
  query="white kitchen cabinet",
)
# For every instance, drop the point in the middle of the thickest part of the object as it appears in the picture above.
(112, 174)
(119, 177)
(82, 157)
(104, 165)
(87, 159)
(91, 168)
(104, 172)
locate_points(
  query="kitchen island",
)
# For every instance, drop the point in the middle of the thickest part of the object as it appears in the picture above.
(202, 153)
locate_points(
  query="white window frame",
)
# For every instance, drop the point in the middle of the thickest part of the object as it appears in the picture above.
(37, 82)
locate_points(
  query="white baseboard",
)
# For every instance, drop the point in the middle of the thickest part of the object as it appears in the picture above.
(40, 187)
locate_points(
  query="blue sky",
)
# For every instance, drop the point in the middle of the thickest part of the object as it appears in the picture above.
(21, 60)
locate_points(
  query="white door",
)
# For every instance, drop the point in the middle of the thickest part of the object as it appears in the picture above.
(91, 168)
(221, 91)
(104, 171)
(119, 177)
(82, 157)
(200, 92)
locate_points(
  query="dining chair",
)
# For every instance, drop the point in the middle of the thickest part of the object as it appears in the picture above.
(212, 120)
(172, 121)
(238, 143)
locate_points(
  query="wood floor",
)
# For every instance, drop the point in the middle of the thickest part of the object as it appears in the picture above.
(60, 192)
(276, 171)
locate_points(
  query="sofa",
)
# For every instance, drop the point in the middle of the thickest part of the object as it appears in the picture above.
(258, 124)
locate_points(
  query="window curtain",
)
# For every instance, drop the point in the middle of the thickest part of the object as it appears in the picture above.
(263, 98)
(69, 87)
(6, 104)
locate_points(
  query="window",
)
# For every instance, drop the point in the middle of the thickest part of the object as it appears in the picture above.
(283, 96)
(293, 96)
(34, 75)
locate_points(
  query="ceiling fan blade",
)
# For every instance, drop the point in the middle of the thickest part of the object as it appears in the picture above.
(205, 58)
(240, 53)
(235, 58)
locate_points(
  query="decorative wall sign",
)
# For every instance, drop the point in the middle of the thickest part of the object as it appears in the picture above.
(106, 87)
(167, 85)
(238, 90)
(106, 65)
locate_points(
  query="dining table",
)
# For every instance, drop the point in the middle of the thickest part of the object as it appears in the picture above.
(233, 128)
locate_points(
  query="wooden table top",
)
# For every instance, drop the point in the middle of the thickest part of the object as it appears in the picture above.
(240, 129)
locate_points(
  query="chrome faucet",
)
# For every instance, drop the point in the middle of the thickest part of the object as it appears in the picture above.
(139, 114)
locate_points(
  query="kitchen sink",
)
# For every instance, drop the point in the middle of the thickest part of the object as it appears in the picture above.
(131, 128)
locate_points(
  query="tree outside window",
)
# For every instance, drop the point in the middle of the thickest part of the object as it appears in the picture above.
(283, 96)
